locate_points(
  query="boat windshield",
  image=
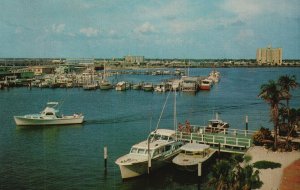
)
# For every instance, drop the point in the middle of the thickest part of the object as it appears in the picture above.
(214, 123)
(138, 151)
(133, 150)
(163, 137)
(155, 137)
(52, 104)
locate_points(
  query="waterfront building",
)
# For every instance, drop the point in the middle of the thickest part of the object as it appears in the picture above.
(269, 55)
(81, 61)
(39, 70)
(134, 59)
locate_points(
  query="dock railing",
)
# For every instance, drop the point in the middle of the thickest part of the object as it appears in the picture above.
(227, 138)
(233, 132)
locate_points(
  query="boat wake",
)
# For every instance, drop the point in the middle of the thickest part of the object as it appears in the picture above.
(125, 119)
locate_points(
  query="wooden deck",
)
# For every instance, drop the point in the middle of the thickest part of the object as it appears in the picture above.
(229, 140)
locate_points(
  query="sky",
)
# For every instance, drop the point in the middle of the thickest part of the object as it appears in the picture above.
(186, 29)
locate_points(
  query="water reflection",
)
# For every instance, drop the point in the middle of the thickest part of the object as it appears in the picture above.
(46, 127)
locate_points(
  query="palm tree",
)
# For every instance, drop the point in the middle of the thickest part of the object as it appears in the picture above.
(272, 94)
(232, 175)
(221, 176)
(287, 83)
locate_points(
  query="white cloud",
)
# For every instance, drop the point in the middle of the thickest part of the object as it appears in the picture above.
(145, 28)
(89, 32)
(245, 9)
(58, 28)
(245, 35)
(170, 10)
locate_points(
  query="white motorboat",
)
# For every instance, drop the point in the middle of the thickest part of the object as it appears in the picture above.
(49, 116)
(192, 155)
(216, 125)
(120, 86)
(214, 76)
(105, 85)
(148, 87)
(159, 149)
(189, 84)
(90, 86)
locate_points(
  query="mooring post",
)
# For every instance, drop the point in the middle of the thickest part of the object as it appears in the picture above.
(149, 157)
(219, 151)
(199, 174)
(105, 158)
(246, 122)
(199, 169)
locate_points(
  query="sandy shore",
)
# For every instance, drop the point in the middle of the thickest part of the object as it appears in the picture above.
(271, 178)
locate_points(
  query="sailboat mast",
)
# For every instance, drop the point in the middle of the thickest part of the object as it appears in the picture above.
(175, 120)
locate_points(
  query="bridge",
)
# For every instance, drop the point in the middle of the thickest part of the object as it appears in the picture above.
(228, 140)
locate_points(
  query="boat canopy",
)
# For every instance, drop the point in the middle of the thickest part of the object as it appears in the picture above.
(194, 147)
(164, 132)
(215, 121)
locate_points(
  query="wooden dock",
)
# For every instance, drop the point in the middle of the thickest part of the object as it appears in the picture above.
(229, 140)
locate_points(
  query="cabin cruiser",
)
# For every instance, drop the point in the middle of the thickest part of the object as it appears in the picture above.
(214, 76)
(159, 149)
(120, 86)
(216, 126)
(205, 84)
(90, 86)
(105, 85)
(189, 84)
(49, 116)
(148, 87)
(191, 154)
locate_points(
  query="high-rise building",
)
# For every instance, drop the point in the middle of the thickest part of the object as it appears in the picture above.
(269, 55)
(134, 59)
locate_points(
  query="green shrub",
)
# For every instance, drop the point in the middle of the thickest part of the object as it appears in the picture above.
(262, 136)
(266, 164)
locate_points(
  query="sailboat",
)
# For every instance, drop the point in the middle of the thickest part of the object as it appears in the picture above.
(104, 83)
(156, 151)
(90, 83)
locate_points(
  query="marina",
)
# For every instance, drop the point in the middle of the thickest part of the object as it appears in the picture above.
(90, 79)
(149, 95)
(72, 156)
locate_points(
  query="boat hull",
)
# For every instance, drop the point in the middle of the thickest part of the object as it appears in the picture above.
(67, 120)
(106, 87)
(136, 87)
(204, 87)
(133, 169)
(148, 88)
(140, 168)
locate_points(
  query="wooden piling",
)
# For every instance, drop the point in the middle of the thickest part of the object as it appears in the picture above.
(149, 157)
(105, 158)
(199, 174)
(246, 122)
(219, 151)
(199, 169)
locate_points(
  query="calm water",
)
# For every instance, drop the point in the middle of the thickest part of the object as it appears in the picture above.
(71, 157)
